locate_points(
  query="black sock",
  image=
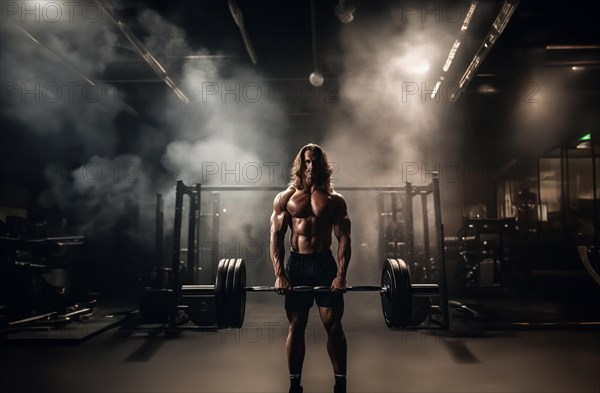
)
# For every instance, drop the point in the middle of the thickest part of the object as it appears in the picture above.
(295, 382)
(340, 383)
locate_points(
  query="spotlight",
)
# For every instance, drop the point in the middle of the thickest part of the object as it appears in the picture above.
(316, 79)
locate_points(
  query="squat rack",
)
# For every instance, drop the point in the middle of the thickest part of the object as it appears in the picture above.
(194, 215)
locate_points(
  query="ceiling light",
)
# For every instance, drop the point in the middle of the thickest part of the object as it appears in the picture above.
(344, 12)
(571, 47)
(486, 89)
(506, 12)
(469, 16)
(451, 55)
(461, 35)
(469, 72)
(316, 79)
(504, 16)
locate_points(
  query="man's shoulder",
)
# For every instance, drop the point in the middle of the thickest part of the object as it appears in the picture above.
(339, 201)
(336, 196)
(282, 198)
(287, 192)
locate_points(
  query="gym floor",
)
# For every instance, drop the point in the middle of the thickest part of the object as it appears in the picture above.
(252, 359)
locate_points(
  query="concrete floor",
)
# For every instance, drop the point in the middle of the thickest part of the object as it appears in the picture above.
(252, 359)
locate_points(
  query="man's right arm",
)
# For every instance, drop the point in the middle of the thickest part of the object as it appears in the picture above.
(280, 220)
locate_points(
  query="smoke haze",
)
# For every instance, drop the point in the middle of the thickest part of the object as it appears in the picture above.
(230, 133)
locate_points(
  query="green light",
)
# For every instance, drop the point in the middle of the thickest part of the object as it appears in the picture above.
(586, 137)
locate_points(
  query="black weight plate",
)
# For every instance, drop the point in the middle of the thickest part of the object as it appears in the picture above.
(242, 314)
(403, 292)
(242, 294)
(396, 303)
(238, 304)
(229, 292)
(224, 304)
(233, 300)
(387, 299)
(219, 292)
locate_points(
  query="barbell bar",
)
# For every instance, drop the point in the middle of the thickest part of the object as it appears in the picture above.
(360, 288)
(424, 290)
(230, 291)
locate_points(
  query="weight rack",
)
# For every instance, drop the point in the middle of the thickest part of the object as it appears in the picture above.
(194, 193)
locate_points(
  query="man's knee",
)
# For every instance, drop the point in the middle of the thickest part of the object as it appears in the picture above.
(297, 328)
(335, 329)
(295, 334)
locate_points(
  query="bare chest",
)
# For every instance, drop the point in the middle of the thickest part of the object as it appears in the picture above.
(317, 204)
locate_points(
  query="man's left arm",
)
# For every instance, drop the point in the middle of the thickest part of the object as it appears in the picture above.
(341, 229)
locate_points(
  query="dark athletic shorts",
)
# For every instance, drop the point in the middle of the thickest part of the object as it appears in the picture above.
(313, 270)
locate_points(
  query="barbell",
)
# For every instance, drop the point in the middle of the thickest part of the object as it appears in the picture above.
(230, 291)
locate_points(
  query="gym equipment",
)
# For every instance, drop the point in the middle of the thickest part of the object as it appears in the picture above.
(223, 304)
(54, 319)
(39, 275)
(230, 291)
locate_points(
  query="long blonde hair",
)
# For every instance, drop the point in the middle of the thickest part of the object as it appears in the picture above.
(321, 163)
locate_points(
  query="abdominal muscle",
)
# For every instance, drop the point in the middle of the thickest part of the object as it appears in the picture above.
(310, 235)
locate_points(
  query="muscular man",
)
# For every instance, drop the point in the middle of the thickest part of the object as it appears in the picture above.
(312, 210)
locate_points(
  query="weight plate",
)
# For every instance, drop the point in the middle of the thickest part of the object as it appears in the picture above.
(396, 302)
(387, 299)
(229, 292)
(238, 308)
(242, 301)
(219, 292)
(233, 299)
(403, 292)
